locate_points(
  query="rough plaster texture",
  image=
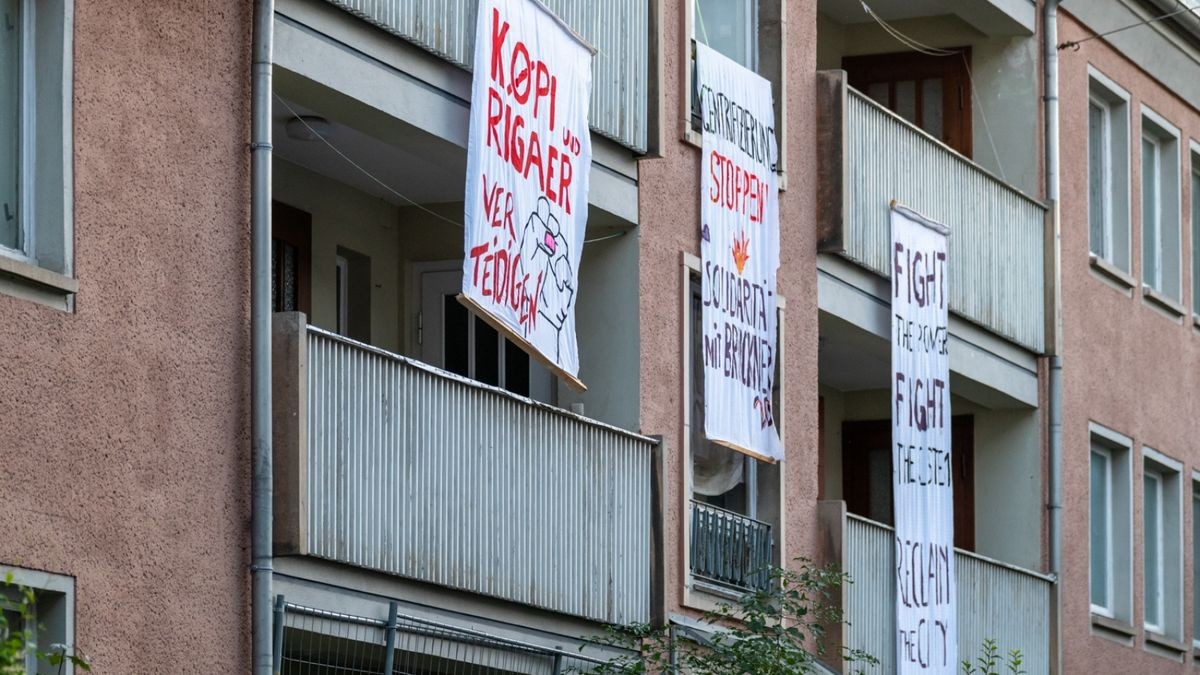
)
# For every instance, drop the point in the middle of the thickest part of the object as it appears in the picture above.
(124, 435)
(669, 215)
(1127, 366)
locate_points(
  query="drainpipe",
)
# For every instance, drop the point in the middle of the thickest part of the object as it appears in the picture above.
(260, 339)
(1050, 96)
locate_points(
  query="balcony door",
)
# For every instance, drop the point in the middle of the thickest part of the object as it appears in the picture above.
(867, 473)
(932, 92)
(455, 340)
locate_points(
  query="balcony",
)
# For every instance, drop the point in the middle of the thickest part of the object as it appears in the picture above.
(870, 156)
(729, 549)
(995, 600)
(618, 29)
(386, 463)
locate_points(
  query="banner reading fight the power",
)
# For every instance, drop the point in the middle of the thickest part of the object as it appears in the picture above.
(926, 634)
(528, 159)
(739, 250)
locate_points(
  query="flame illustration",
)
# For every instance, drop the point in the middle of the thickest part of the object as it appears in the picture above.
(741, 251)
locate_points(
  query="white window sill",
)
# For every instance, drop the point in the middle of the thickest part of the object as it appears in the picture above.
(1112, 275)
(1165, 305)
(37, 284)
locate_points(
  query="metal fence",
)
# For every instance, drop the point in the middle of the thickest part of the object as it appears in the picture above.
(310, 641)
(416, 472)
(729, 548)
(995, 600)
(997, 234)
(618, 29)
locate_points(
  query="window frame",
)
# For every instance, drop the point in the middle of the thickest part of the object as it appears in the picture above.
(1120, 526)
(1110, 587)
(1194, 197)
(1168, 204)
(56, 620)
(1106, 243)
(705, 597)
(1169, 473)
(1157, 623)
(1119, 192)
(1195, 482)
(41, 268)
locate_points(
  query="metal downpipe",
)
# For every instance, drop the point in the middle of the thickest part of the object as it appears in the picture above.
(1055, 384)
(261, 610)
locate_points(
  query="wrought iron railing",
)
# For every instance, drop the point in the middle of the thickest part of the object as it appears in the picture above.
(730, 549)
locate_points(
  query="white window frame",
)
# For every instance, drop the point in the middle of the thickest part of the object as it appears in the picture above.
(1118, 180)
(57, 626)
(1119, 448)
(41, 267)
(1154, 624)
(750, 58)
(1195, 559)
(1168, 211)
(1110, 590)
(1194, 192)
(1106, 131)
(1169, 473)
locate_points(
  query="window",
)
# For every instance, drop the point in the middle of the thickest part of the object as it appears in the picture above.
(1108, 171)
(1160, 206)
(932, 92)
(52, 623)
(1152, 534)
(1162, 552)
(35, 137)
(734, 502)
(1109, 530)
(730, 27)
(1195, 196)
(1196, 559)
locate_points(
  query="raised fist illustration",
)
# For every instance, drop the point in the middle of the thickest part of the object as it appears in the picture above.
(544, 252)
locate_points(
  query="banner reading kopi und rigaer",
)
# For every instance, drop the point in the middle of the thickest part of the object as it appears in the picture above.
(528, 158)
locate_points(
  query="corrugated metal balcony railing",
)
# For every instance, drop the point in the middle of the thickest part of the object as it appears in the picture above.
(386, 463)
(729, 549)
(618, 29)
(995, 600)
(869, 156)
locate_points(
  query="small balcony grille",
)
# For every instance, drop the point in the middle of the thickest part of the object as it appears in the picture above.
(730, 549)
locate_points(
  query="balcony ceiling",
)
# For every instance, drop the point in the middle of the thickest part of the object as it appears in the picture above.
(426, 178)
(991, 17)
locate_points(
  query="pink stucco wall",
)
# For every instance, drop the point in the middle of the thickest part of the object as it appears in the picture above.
(123, 425)
(669, 206)
(1127, 367)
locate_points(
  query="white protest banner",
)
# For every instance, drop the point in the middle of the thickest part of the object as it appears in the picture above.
(739, 250)
(926, 632)
(528, 159)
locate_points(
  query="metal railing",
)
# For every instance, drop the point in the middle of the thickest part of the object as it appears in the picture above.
(730, 549)
(314, 641)
(871, 156)
(413, 471)
(618, 29)
(995, 600)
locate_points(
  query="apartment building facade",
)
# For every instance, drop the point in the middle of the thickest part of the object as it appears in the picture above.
(441, 500)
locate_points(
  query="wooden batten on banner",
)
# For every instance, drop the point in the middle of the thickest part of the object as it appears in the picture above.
(744, 451)
(521, 342)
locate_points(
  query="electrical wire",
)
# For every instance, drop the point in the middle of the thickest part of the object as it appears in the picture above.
(1074, 44)
(363, 170)
(928, 50)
